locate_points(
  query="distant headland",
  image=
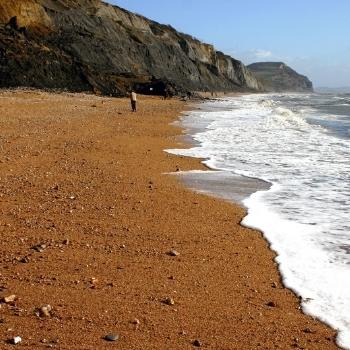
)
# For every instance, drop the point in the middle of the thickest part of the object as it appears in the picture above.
(277, 76)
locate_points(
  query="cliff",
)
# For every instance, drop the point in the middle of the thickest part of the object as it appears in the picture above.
(277, 76)
(90, 45)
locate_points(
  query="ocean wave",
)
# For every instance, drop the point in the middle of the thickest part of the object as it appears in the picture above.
(282, 117)
(305, 213)
(266, 103)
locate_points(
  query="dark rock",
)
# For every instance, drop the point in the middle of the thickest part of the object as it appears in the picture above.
(136, 321)
(197, 343)
(169, 301)
(39, 248)
(308, 330)
(271, 304)
(277, 76)
(173, 252)
(24, 260)
(88, 45)
(111, 337)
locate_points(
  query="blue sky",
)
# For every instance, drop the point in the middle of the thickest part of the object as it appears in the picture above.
(311, 36)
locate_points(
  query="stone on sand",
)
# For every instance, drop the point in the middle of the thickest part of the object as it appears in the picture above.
(111, 337)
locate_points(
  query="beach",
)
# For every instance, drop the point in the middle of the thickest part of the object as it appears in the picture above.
(93, 225)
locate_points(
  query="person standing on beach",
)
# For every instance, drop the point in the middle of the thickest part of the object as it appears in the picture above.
(133, 99)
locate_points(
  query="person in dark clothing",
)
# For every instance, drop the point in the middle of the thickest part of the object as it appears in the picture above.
(12, 23)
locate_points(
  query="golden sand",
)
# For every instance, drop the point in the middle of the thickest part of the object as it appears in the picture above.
(88, 217)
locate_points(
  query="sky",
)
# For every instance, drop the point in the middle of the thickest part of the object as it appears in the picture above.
(311, 36)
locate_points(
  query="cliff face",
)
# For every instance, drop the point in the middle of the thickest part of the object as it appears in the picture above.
(28, 12)
(90, 45)
(277, 76)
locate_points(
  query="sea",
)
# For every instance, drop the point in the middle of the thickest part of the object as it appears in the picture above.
(286, 158)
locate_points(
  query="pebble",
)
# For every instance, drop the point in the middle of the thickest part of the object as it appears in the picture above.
(173, 253)
(111, 337)
(197, 343)
(40, 247)
(169, 301)
(15, 340)
(45, 311)
(9, 299)
(308, 330)
(271, 304)
(24, 260)
(136, 321)
(94, 280)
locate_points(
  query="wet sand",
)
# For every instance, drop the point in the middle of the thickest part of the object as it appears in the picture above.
(224, 184)
(87, 217)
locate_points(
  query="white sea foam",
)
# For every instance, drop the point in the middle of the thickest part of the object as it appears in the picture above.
(305, 214)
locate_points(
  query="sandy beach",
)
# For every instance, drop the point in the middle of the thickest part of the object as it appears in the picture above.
(97, 239)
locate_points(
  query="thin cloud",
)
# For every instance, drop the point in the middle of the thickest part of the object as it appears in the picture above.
(254, 55)
(259, 53)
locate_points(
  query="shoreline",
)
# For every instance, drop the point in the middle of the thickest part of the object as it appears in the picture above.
(213, 181)
(223, 184)
(84, 176)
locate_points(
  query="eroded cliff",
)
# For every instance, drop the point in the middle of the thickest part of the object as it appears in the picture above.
(91, 45)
